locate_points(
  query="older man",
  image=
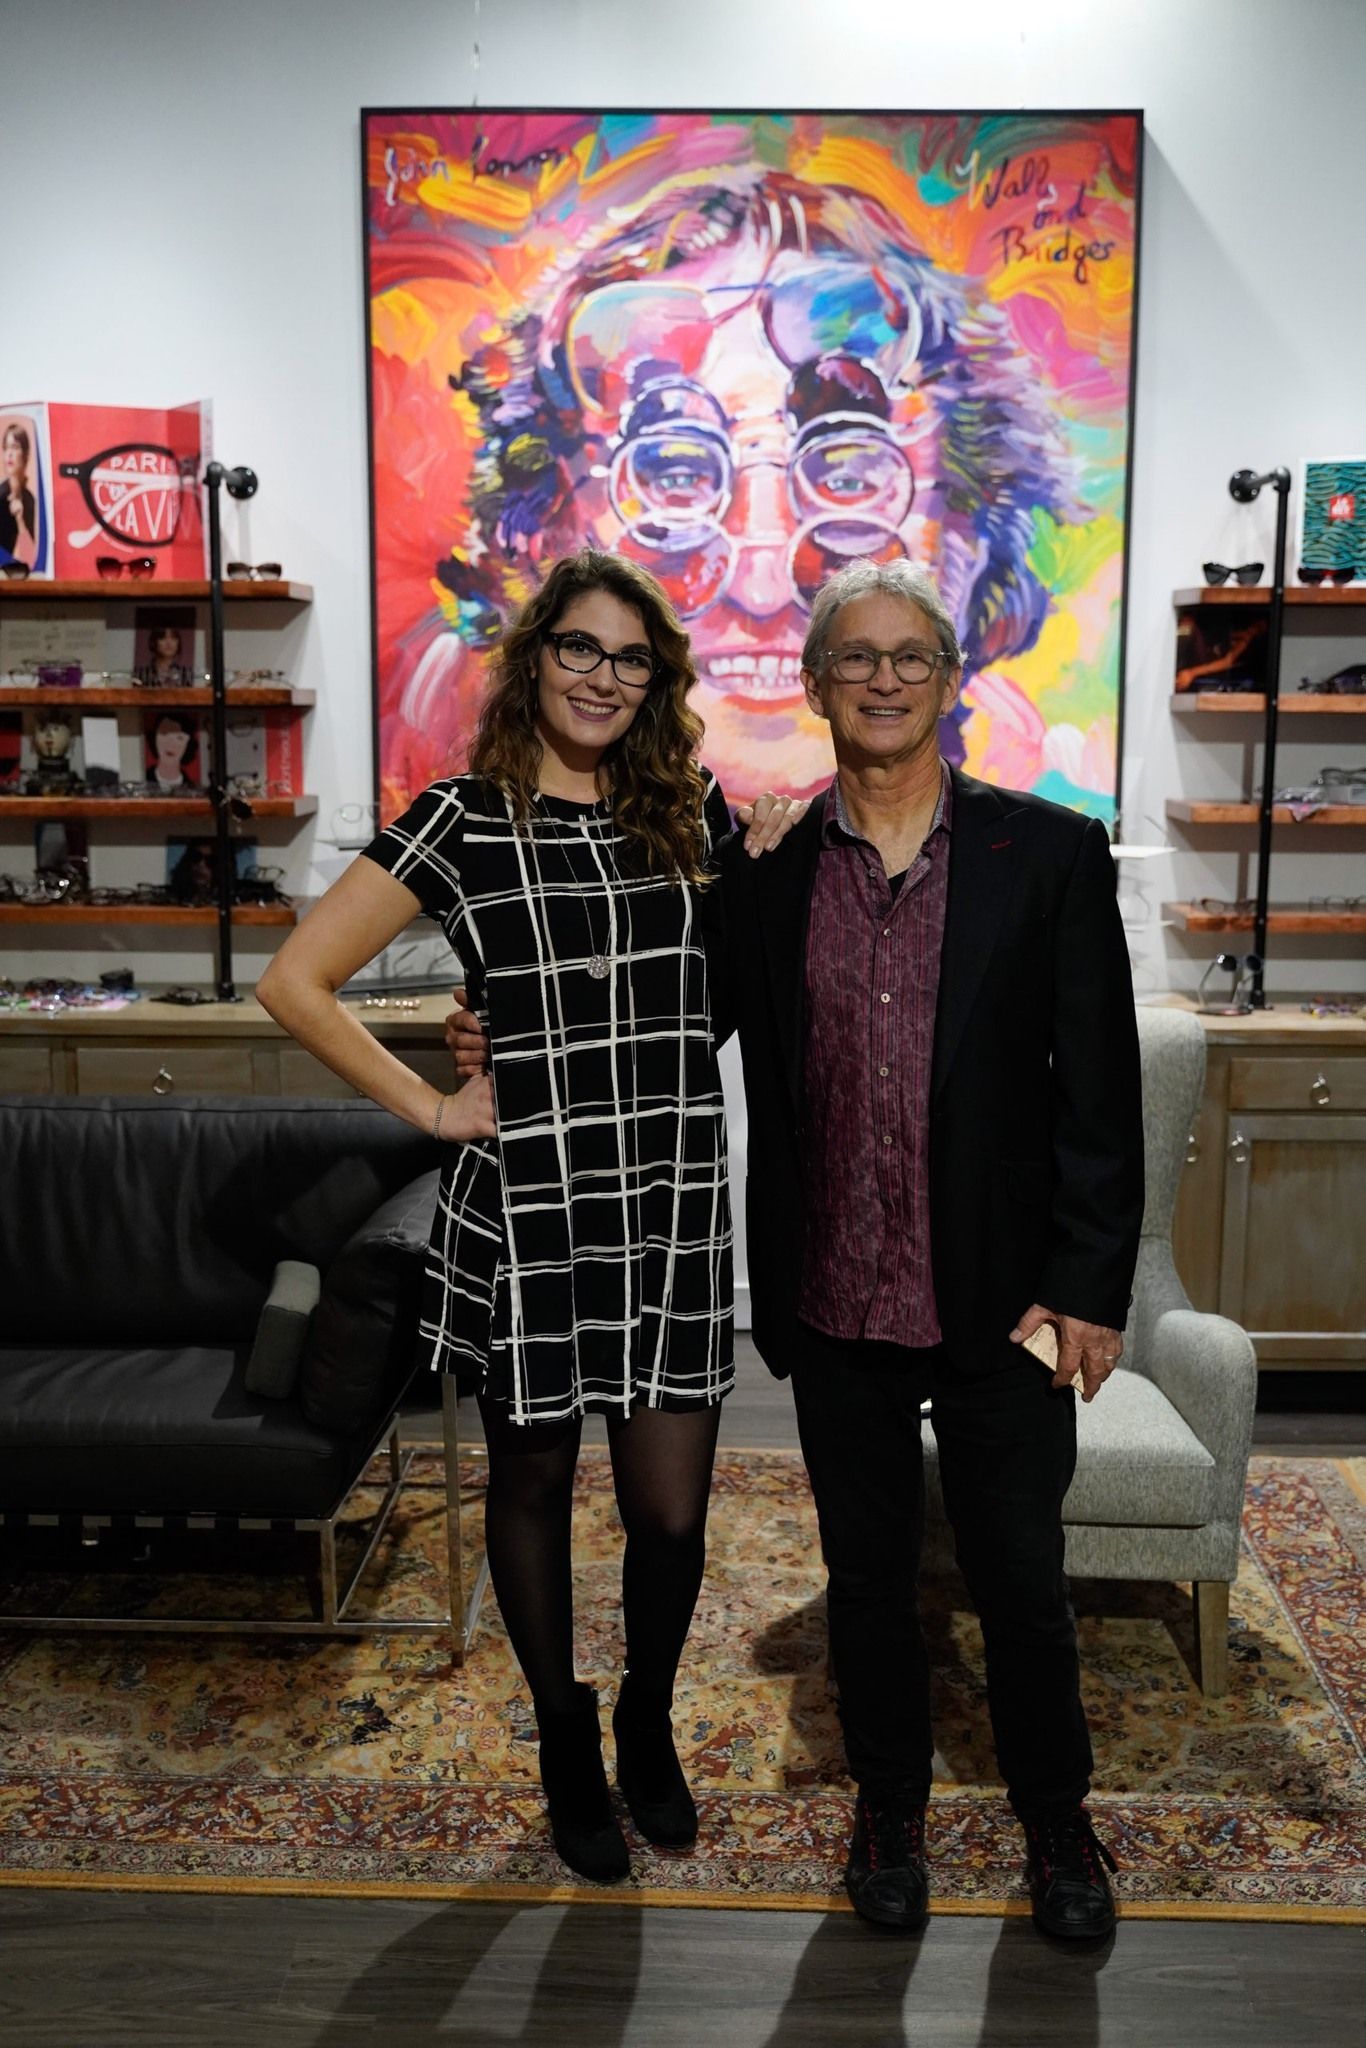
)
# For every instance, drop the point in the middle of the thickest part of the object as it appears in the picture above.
(945, 1155)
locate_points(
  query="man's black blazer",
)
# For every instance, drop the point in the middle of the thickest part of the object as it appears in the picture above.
(1036, 1135)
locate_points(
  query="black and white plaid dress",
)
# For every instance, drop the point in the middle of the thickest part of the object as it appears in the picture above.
(582, 1259)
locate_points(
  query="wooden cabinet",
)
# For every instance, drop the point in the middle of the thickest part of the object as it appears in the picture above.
(214, 1049)
(1271, 1217)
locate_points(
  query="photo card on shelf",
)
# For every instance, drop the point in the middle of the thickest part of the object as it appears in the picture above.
(25, 489)
(190, 866)
(100, 748)
(57, 841)
(1220, 649)
(164, 645)
(173, 748)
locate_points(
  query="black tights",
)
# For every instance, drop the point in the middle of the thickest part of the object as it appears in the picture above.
(661, 1463)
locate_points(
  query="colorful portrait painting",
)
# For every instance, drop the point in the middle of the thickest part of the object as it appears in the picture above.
(746, 349)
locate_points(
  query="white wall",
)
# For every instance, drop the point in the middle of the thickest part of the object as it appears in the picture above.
(185, 221)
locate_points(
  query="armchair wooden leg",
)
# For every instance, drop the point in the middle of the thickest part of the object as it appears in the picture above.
(1211, 1636)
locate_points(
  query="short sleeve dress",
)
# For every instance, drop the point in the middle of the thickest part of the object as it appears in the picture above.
(580, 1261)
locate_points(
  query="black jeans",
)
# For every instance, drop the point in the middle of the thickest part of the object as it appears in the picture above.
(1007, 1450)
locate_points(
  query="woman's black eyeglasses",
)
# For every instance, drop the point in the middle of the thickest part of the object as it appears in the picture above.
(1246, 572)
(633, 668)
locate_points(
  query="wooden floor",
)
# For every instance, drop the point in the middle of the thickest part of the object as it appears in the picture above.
(102, 1969)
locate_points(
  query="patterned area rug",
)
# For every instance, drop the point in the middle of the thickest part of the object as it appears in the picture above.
(371, 1766)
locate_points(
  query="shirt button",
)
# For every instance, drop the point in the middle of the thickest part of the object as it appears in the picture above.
(884, 997)
(884, 1071)
(887, 932)
(886, 1137)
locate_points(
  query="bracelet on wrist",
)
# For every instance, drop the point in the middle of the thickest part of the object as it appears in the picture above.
(440, 1112)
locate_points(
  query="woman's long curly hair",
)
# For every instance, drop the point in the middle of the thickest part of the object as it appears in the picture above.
(651, 772)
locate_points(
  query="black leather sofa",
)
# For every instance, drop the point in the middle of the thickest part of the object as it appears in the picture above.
(138, 1242)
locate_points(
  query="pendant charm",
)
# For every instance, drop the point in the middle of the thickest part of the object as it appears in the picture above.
(599, 967)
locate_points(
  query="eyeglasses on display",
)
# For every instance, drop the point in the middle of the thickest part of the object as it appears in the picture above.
(1344, 682)
(110, 567)
(1237, 905)
(16, 571)
(1337, 902)
(258, 572)
(861, 664)
(136, 492)
(1309, 574)
(1245, 572)
(580, 655)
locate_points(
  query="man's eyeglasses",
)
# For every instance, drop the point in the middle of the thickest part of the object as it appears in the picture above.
(1307, 574)
(861, 664)
(253, 572)
(110, 567)
(633, 669)
(1246, 572)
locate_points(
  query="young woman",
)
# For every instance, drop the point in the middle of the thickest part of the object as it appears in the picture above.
(580, 1258)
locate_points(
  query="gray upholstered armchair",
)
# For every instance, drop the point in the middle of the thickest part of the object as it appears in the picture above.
(1162, 1450)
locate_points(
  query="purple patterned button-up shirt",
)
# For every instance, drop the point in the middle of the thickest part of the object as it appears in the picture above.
(872, 986)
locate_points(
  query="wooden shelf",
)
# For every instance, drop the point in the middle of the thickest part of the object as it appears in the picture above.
(125, 590)
(1296, 594)
(143, 913)
(91, 697)
(1294, 702)
(134, 807)
(1286, 917)
(1195, 811)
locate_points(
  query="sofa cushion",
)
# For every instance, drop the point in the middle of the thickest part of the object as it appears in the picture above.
(158, 1430)
(1138, 1464)
(282, 1330)
(363, 1337)
(141, 1221)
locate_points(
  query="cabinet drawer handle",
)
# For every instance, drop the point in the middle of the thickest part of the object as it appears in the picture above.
(163, 1082)
(1238, 1149)
(1192, 1148)
(1320, 1094)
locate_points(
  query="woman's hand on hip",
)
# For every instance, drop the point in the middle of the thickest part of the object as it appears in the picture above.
(466, 1040)
(469, 1113)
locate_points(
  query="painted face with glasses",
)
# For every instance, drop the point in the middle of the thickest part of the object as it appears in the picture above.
(595, 668)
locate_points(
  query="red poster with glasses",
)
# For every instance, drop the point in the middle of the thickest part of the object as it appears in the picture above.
(123, 485)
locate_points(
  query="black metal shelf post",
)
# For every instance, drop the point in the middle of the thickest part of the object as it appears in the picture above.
(1244, 487)
(241, 483)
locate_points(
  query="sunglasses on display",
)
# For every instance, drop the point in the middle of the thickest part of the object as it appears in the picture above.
(258, 572)
(136, 492)
(16, 571)
(1245, 572)
(1307, 574)
(1345, 682)
(109, 568)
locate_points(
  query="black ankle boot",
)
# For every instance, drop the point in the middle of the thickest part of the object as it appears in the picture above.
(581, 1818)
(1068, 1888)
(648, 1771)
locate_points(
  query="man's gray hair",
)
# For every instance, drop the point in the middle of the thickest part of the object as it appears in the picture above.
(895, 579)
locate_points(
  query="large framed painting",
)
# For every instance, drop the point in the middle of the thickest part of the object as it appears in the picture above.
(745, 349)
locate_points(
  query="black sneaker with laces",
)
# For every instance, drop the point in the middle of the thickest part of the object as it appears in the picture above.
(1068, 1887)
(886, 1877)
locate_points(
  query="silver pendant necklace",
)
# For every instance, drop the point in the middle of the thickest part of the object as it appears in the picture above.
(598, 964)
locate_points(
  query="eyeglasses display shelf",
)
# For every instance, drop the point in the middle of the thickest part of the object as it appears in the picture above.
(1229, 711)
(279, 596)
